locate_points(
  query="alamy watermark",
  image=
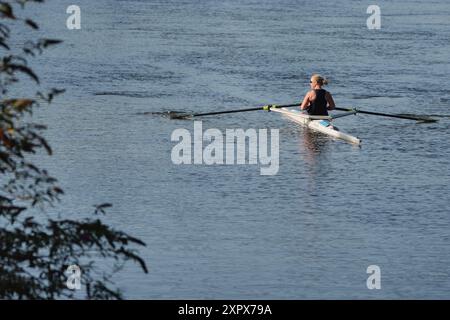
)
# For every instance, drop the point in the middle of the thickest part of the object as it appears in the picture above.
(229, 148)
(374, 21)
(73, 277)
(374, 280)
(73, 22)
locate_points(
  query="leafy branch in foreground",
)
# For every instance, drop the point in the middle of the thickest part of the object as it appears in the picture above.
(36, 250)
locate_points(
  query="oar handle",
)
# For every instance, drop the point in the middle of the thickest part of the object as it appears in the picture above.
(270, 106)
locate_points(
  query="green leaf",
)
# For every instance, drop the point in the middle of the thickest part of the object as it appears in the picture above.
(49, 42)
(6, 11)
(32, 24)
(26, 70)
(3, 44)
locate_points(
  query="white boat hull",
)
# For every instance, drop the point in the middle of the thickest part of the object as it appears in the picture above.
(315, 124)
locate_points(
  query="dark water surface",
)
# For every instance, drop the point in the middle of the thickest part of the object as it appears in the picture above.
(227, 232)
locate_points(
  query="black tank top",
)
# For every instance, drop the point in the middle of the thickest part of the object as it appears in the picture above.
(319, 106)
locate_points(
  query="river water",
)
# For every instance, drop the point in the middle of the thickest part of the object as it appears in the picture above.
(227, 232)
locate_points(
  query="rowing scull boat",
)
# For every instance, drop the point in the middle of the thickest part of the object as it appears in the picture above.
(319, 123)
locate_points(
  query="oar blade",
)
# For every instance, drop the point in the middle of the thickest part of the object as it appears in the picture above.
(428, 120)
(419, 118)
(179, 116)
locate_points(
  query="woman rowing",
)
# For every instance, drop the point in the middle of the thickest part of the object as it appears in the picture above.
(318, 101)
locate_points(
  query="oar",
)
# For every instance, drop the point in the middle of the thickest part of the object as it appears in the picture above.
(176, 115)
(428, 115)
(424, 119)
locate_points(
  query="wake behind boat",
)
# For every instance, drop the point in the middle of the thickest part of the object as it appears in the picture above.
(321, 124)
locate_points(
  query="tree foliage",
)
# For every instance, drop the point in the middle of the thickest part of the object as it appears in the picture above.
(35, 249)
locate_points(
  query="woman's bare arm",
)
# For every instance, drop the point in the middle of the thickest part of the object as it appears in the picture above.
(306, 102)
(330, 101)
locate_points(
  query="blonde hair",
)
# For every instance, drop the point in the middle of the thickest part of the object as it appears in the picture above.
(319, 79)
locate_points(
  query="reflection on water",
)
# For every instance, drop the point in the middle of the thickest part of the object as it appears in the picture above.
(313, 143)
(313, 147)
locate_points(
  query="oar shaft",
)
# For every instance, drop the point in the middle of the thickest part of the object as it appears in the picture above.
(385, 114)
(242, 110)
(223, 112)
